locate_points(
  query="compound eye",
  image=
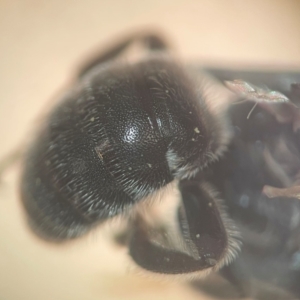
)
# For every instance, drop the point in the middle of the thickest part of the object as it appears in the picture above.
(201, 237)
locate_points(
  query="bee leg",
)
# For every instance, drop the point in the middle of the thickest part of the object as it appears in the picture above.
(157, 257)
(290, 192)
(286, 83)
(288, 174)
(281, 81)
(150, 41)
(202, 242)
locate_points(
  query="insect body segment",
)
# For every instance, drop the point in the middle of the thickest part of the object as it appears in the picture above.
(124, 132)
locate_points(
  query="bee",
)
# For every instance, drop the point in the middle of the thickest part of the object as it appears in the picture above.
(160, 144)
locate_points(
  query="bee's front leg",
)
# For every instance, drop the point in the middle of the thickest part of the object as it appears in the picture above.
(195, 237)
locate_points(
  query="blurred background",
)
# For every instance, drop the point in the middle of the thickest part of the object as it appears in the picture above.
(41, 44)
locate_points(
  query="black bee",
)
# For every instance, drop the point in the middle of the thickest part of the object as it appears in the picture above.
(131, 133)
